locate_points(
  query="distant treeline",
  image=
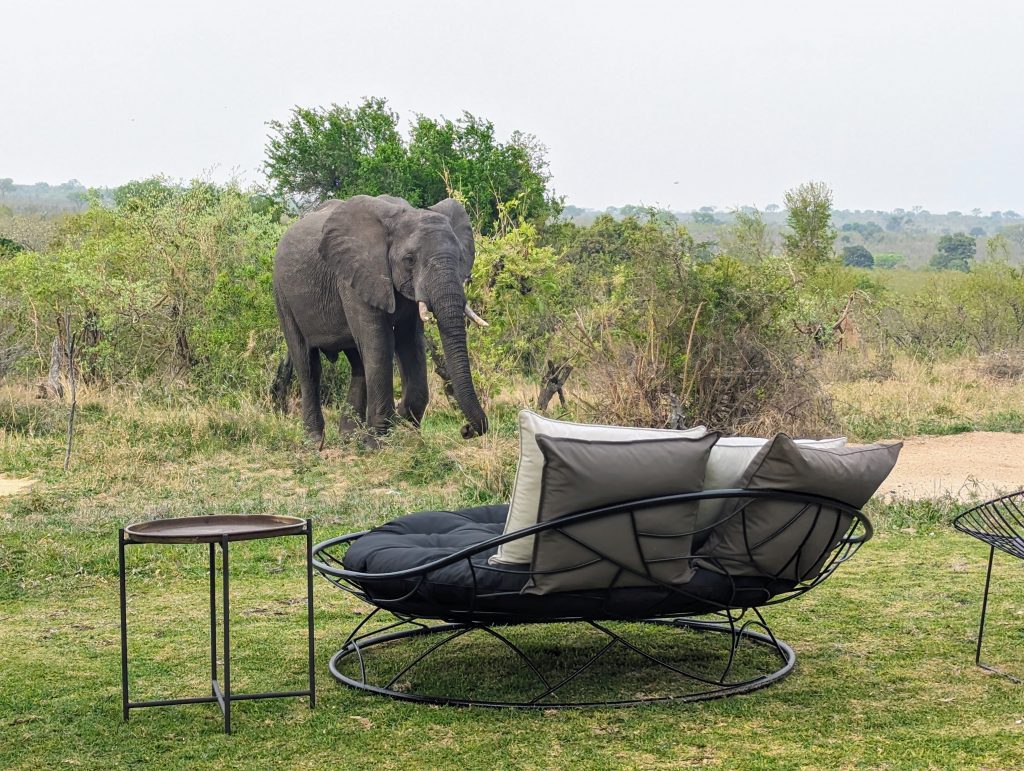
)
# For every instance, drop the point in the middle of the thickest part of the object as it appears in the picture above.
(870, 223)
(907, 237)
(903, 237)
(44, 198)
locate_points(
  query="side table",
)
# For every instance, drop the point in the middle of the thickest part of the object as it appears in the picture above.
(213, 530)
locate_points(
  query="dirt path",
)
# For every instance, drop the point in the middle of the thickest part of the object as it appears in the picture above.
(14, 486)
(981, 465)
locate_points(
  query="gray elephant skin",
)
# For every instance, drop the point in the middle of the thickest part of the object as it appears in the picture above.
(358, 277)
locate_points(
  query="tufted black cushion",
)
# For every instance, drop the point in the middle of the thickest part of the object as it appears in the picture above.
(494, 591)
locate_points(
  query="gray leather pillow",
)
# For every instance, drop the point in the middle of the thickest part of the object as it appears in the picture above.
(581, 475)
(789, 540)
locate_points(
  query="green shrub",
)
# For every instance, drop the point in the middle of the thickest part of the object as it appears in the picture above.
(170, 282)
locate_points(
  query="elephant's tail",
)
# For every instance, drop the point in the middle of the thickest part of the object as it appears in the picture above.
(279, 386)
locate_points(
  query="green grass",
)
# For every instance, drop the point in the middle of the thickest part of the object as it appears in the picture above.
(884, 677)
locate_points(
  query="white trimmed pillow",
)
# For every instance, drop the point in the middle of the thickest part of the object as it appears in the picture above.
(729, 459)
(526, 493)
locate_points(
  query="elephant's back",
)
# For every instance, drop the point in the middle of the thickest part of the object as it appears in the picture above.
(302, 238)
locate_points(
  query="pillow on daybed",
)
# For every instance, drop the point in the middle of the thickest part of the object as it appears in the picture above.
(784, 539)
(580, 475)
(729, 459)
(522, 511)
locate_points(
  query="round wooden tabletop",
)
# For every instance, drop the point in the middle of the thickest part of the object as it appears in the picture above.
(213, 529)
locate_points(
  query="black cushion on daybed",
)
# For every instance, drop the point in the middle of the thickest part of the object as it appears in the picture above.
(495, 590)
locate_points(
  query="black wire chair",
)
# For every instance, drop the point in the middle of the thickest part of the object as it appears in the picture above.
(686, 644)
(1000, 524)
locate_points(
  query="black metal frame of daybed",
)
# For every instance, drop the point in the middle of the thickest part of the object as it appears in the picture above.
(744, 625)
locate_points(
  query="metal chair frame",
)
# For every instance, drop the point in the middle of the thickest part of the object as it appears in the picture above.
(1000, 524)
(745, 626)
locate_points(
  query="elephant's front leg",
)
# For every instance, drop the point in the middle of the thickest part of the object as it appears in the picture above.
(412, 367)
(375, 340)
(355, 416)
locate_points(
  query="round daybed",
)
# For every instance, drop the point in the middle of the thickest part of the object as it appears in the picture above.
(615, 607)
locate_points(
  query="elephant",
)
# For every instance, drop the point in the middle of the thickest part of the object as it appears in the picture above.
(361, 277)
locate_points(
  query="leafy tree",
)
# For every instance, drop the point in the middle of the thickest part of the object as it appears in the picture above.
(748, 239)
(858, 256)
(977, 231)
(339, 151)
(895, 223)
(1014, 233)
(997, 248)
(464, 156)
(869, 231)
(810, 242)
(954, 252)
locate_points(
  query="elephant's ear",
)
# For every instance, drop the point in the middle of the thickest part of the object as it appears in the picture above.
(354, 244)
(459, 219)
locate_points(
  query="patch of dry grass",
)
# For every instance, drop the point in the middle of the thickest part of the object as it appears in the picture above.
(905, 396)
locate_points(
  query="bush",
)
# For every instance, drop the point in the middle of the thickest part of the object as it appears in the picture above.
(667, 335)
(169, 282)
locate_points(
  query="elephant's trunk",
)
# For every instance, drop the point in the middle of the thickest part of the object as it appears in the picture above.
(448, 302)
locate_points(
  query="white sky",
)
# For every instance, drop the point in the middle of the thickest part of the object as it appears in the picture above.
(677, 104)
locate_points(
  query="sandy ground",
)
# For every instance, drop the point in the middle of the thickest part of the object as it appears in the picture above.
(14, 486)
(977, 465)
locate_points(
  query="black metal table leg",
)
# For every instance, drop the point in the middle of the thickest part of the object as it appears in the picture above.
(309, 610)
(227, 634)
(213, 618)
(124, 625)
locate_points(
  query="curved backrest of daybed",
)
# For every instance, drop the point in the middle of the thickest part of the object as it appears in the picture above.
(742, 560)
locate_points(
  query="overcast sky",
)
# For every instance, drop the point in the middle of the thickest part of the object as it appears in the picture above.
(893, 104)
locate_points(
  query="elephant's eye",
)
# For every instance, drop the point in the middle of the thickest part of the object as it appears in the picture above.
(408, 260)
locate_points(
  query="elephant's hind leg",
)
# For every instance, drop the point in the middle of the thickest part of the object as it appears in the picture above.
(305, 362)
(354, 416)
(308, 369)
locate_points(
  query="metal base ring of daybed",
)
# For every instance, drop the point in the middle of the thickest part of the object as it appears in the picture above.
(710, 687)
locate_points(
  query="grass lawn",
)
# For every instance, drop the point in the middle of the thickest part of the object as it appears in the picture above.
(884, 676)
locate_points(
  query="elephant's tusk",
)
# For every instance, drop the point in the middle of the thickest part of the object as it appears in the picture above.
(424, 313)
(474, 318)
